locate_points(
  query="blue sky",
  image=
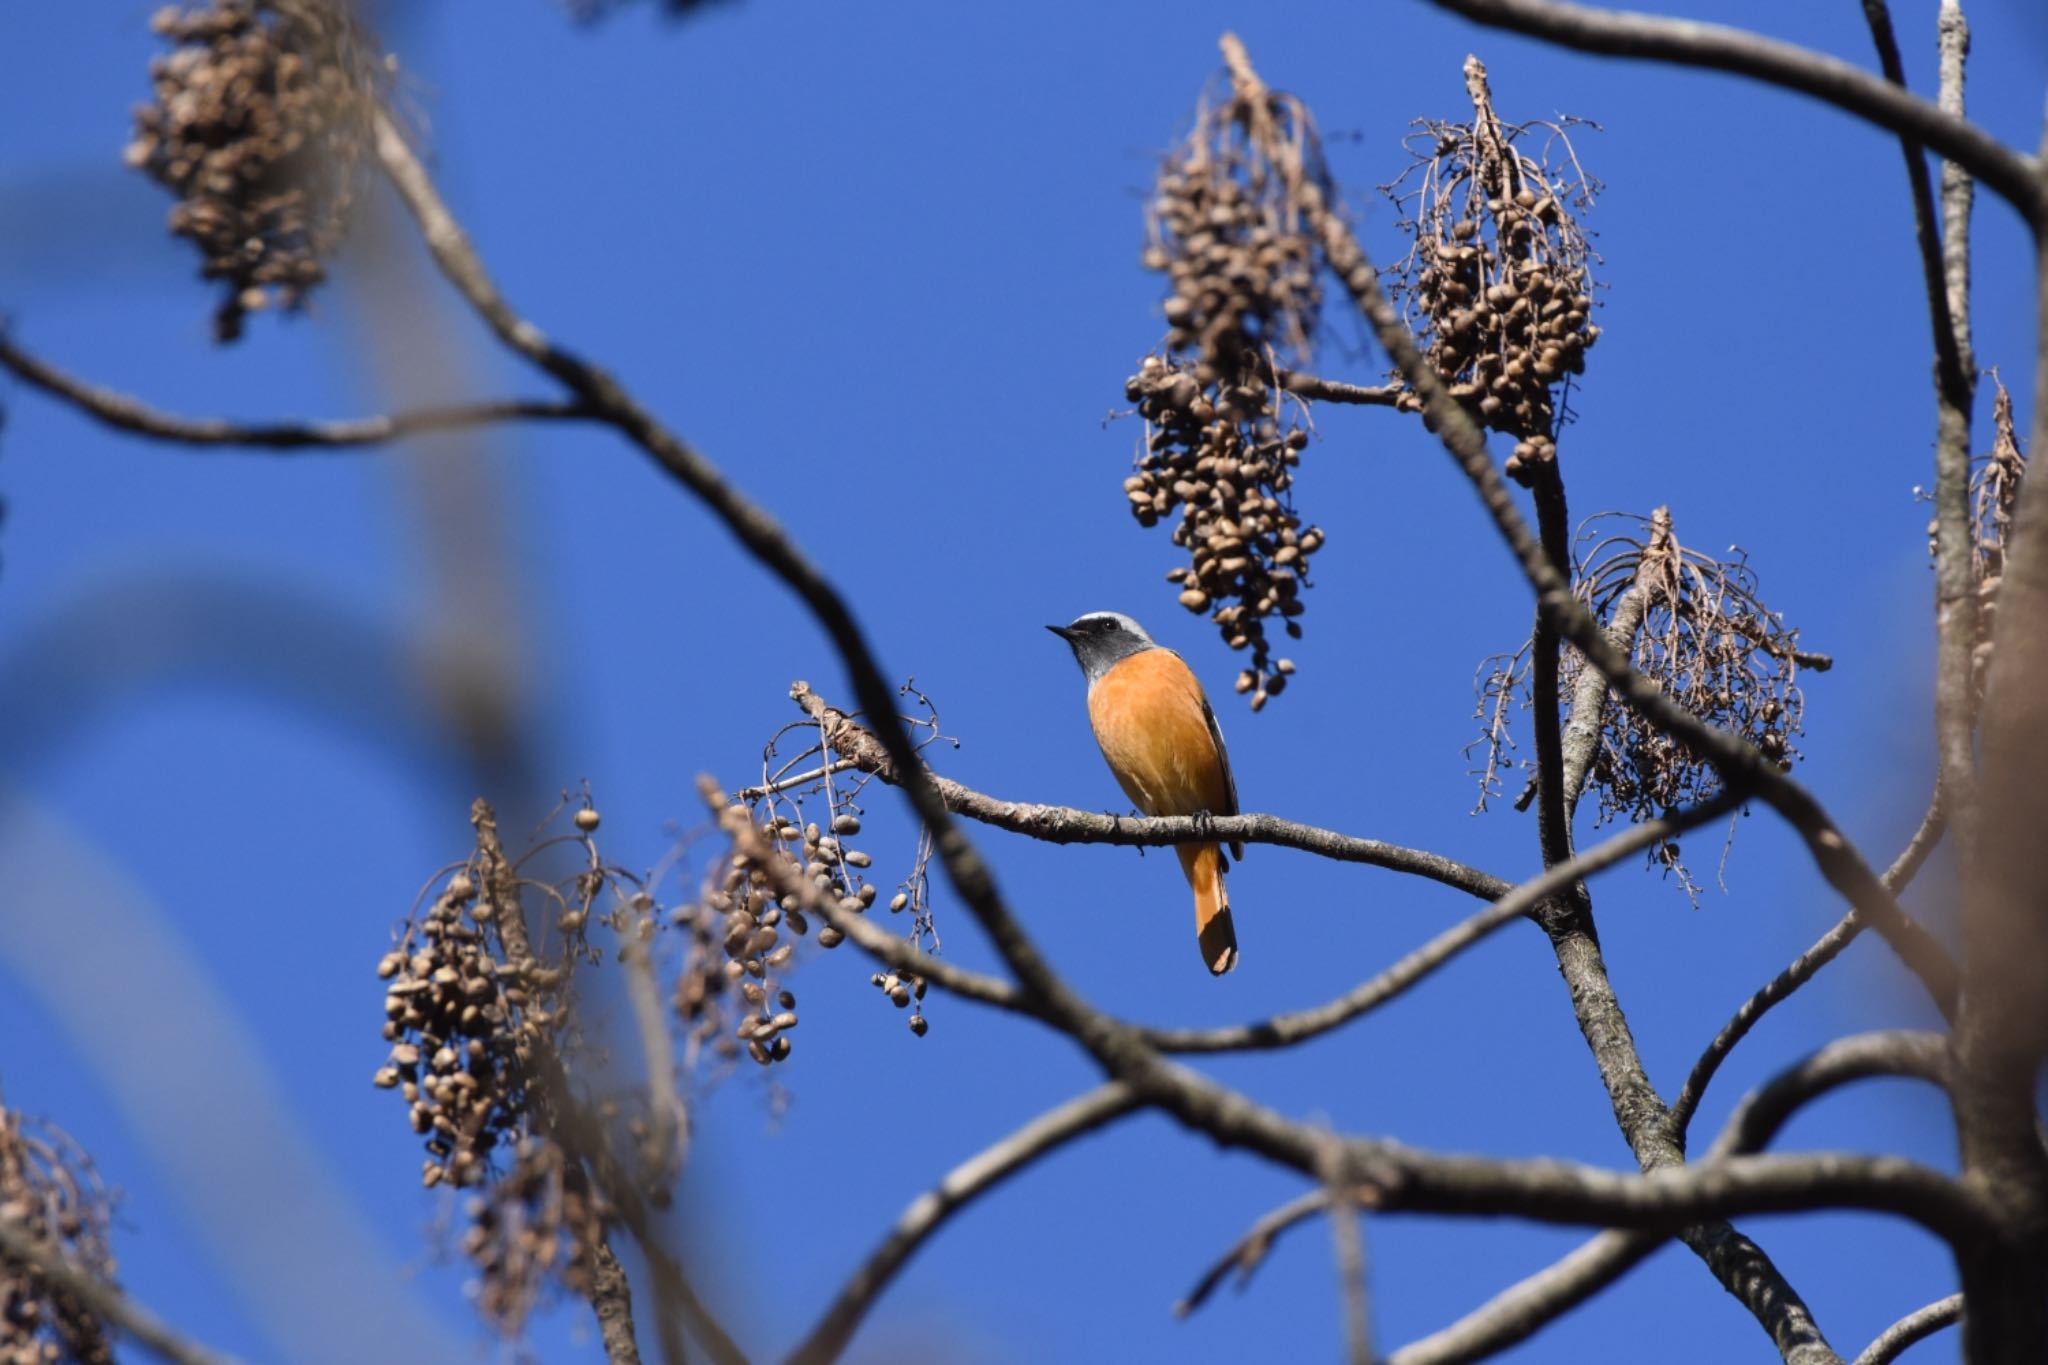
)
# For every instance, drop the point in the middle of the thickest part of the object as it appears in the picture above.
(880, 262)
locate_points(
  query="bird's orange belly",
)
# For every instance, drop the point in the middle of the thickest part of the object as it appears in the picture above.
(1149, 721)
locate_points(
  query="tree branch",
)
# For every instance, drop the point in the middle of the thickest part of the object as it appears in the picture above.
(1893, 1053)
(1684, 42)
(1915, 1326)
(960, 1187)
(123, 413)
(904, 955)
(1519, 1311)
(103, 1300)
(1287, 1029)
(1336, 391)
(1248, 1252)
(858, 745)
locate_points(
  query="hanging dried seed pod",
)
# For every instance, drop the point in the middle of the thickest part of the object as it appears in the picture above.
(260, 126)
(1498, 285)
(1231, 228)
(1693, 625)
(49, 1190)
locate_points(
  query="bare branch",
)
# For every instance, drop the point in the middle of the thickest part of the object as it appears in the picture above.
(1764, 1111)
(1249, 1251)
(1519, 1311)
(124, 413)
(1066, 825)
(1803, 969)
(1336, 391)
(960, 1187)
(103, 1300)
(1684, 42)
(1287, 1029)
(1916, 1326)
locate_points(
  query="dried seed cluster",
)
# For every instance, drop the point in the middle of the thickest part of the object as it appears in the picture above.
(476, 1018)
(1498, 284)
(784, 869)
(48, 1187)
(744, 930)
(1232, 227)
(259, 126)
(1707, 640)
(1695, 626)
(538, 1224)
(463, 1023)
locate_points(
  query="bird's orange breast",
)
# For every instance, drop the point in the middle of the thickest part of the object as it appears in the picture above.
(1151, 722)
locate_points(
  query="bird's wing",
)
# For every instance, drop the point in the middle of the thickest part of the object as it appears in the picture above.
(1229, 780)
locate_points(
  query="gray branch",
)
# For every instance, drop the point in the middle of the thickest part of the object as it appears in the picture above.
(1914, 1327)
(1522, 1309)
(961, 1186)
(859, 746)
(125, 413)
(1684, 42)
(1895, 1053)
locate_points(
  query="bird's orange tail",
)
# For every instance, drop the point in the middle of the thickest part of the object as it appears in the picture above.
(1203, 864)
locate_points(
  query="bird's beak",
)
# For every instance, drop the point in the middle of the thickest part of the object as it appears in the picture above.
(1062, 632)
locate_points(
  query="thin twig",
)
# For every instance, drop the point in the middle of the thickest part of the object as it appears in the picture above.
(1684, 42)
(103, 1300)
(960, 1187)
(125, 413)
(1803, 969)
(1519, 1311)
(1287, 1029)
(1888, 1053)
(1336, 391)
(1915, 1326)
(1248, 1252)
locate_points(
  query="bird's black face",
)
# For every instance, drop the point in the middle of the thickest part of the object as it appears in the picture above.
(1101, 638)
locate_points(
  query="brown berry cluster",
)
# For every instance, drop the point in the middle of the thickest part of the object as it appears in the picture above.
(1232, 227)
(48, 1188)
(781, 872)
(1500, 271)
(259, 128)
(463, 1022)
(539, 1224)
(743, 932)
(480, 1032)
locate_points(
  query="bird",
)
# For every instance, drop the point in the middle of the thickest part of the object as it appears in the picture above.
(1157, 731)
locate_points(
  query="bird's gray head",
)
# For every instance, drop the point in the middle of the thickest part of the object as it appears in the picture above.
(1101, 638)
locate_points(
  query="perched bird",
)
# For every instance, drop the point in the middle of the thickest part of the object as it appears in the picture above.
(1161, 739)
